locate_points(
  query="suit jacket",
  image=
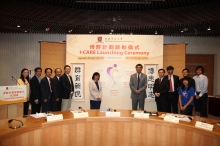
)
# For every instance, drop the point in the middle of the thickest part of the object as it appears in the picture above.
(45, 89)
(35, 90)
(162, 88)
(175, 81)
(56, 88)
(66, 86)
(142, 85)
(94, 92)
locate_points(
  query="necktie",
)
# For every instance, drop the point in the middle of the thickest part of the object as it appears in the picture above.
(138, 81)
(171, 86)
(70, 82)
(50, 84)
(159, 81)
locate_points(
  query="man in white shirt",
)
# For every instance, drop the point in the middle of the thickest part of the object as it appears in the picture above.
(201, 99)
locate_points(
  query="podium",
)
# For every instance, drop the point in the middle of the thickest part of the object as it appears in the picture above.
(11, 101)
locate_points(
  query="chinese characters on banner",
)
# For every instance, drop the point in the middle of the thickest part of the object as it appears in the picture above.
(151, 72)
(10, 94)
(78, 80)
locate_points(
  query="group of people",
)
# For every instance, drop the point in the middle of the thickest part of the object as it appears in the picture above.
(47, 94)
(169, 90)
(55, 94)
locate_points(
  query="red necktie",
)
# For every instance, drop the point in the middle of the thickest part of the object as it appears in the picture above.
(171, 87)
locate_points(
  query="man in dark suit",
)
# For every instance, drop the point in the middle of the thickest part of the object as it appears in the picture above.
(46, 91)
(173, 89)
(160, 90)
(67, 88)
(138, 85)
(35, 97)
(56, 88)
(185, 73)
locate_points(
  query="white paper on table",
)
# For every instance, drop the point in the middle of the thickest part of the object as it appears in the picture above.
(39, 115)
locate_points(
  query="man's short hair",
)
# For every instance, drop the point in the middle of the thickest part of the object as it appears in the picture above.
(162, 70)
(66, 66)
(200, 67)
(186, 70)
(170, 68)
(139, 65)
(57, 69)
(48, 69)
(37, 68)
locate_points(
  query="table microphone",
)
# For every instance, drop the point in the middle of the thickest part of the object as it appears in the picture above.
(15, 80)
(9, 121)
(81, 108)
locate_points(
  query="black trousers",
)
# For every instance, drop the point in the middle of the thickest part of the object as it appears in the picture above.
(201, 105)
(56, 106)
(35, 108)
(47, 106)
(173, 102)
(187, 110)
(95, 104)
(162, 106)
(25, 108)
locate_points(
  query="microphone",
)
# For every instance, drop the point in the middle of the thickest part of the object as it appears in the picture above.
(15, 80)
(81, 108)
(9, 122)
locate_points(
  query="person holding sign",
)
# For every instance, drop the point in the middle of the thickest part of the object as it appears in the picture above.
(186, 96)
(24, 80)
(138, 85)
(95, 90)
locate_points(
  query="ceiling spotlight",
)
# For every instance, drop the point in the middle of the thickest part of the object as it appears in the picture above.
(110, 33)
(209, 28)
(91, 31)
(155, 32)
(70, 30)
(181, 31)
(18, 26)
(47, 29)
(25, 31)
(112, 30)
(131, 33)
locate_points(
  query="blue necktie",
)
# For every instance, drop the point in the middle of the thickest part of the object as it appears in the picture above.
(138, 82)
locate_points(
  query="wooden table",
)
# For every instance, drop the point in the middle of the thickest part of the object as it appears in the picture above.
(98, 130)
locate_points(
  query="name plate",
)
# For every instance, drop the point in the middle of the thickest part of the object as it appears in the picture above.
(54, 117)
(171, 119)
(112, 114)
(81, 115)
(204, 126)
(141, 115)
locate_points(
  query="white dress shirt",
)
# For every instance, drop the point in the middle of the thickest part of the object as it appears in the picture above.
(201, 82)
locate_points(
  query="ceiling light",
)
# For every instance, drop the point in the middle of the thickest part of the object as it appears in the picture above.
(112, 30)
(155, 32)
(18, 26)
(47, 29)
(181, 31)
(25, 31)
(70, 30)
(209, 28)
(91, 31)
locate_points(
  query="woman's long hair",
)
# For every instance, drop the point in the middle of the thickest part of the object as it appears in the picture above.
(22, 77)
(189, 84)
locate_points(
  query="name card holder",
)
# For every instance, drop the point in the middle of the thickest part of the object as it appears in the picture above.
(54, 117)
(204, 125)
(81, 115)
(171, 119)
(141, 115)
(112, 114)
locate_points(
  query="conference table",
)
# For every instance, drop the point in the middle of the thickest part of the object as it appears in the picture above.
(99, 130)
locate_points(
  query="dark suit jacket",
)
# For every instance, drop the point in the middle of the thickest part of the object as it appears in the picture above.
(35, 90)
(56, 88)
(45, 89)
(66, 86)
(176, 82)
(162, 88)
(191, 82)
